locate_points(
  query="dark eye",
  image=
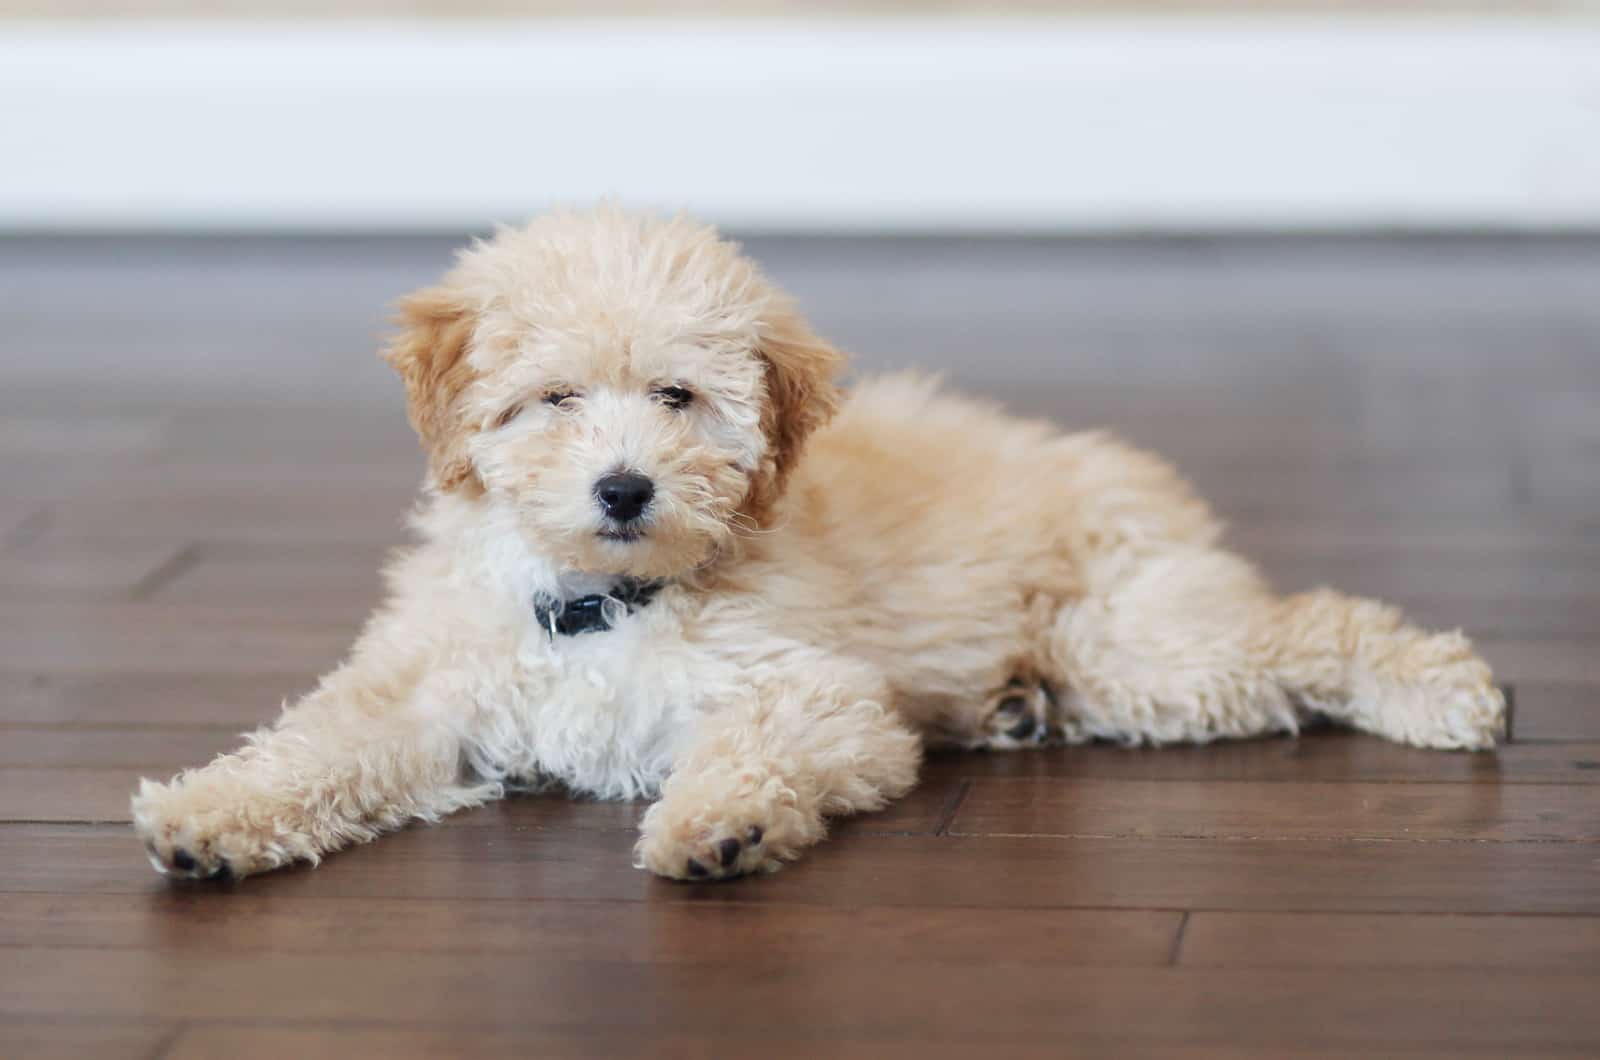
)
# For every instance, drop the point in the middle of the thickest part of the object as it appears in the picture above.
(675, 397)
(508, 415)
(560, 398)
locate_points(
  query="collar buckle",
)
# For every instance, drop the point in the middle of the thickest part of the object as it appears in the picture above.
(588, 614)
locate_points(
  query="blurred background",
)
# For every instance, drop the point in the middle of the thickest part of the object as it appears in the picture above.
(418, 124)
(1346, 246)
(1063, 116)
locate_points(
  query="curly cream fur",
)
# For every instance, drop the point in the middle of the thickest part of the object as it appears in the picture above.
(843, 590)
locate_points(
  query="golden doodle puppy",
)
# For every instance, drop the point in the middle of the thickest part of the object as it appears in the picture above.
(663, 556)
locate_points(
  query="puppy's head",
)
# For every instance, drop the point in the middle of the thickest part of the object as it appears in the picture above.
(632, 389)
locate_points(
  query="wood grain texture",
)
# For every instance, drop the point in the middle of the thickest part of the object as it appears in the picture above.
(65, 794)
(1320, 755)
(243, 698)
(457, 861)
(1323, 940)
(774, 999)
(44, 568)
(194, 505)
(1307, 810)
(1568, 659)
(1551, 711)
(157, 750)
(142, 637)
(67, 1038)
(667, 933)
(258, 1042)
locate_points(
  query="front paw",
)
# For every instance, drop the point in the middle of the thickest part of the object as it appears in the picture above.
(716, 856)
(685, 839)
(210, 830)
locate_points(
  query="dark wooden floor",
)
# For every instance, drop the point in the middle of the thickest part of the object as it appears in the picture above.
(201, 465)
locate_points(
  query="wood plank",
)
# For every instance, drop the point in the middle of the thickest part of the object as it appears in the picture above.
(105, 569)
(257, 1042)
(160, 751)
(1550, 711)
(234, 702)
(1320, 755)
(1506, 531)
(66, 794)
(74, 1039)
(43, 433)
(1446, 567)
(1322, 940)
(316, 501)
(101, 794)
(194, 919)
(1250, 810)
(154, 637)
(1273, 493)
(775, 999)
(1485, 618)
(1573, 659)
(62, 789)
(278, 433)
(329, 582)
(1561, 451)
(451, 861)
(1469, 562)
(240, 698)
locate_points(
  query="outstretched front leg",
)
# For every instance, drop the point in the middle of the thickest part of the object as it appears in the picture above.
(368, 751)
(760, 776)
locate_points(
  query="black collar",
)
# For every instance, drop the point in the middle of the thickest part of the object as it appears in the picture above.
(588, 614)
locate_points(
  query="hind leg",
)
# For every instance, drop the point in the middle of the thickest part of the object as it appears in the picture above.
(1159, 650)
(1357, 661)
(1188, 644)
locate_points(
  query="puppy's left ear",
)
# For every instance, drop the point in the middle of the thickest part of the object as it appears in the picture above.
(430, 353)
(801, 396)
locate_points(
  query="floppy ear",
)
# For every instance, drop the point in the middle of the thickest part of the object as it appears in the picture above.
(430, 355)
(801, 396)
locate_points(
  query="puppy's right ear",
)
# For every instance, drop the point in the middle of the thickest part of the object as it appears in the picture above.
(430, 353)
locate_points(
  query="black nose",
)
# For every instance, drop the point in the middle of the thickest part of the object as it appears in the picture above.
(624, 495)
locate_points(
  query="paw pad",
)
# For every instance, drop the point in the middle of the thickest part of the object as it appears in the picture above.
(1018, 715)
(721, 858)
(180, 863)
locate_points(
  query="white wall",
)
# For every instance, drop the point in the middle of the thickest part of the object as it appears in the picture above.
(1084, 124)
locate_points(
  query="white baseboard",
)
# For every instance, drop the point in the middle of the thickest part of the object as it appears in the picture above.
(1153, 124)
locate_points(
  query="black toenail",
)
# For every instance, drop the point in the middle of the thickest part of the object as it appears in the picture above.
(697, 869)
(756, 832)
(182, 860)
(224, 871)
(729, 850)
(1026, 729)
(1012, 705)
